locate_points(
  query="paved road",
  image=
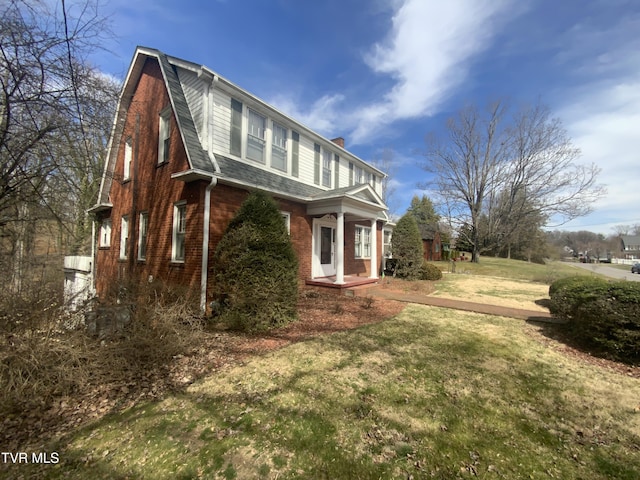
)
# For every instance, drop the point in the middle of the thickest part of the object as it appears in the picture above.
(608, 271)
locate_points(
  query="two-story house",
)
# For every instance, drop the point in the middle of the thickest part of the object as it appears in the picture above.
(630, 246)
(186, 148)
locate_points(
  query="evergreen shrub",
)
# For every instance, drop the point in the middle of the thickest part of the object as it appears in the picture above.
(407, 248)
(256, 268)
(428, 271)
(602, 315)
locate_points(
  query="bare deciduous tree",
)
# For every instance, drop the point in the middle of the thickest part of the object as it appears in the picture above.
(48, 98)
(467, 168)
(510, 171)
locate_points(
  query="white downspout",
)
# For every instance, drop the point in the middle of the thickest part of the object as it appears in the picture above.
(93, 257)
(205, 244)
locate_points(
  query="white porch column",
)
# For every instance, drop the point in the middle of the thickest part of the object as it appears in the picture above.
(340, 249)
(374, 248)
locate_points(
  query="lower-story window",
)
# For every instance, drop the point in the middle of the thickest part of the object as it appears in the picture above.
(286, 216)
(386, 244)
(179, 232)
(124, 237)
(363, 242)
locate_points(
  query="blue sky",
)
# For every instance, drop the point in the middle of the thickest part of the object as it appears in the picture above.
(383, 73)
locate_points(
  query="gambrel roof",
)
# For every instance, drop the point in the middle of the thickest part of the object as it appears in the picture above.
(206, 166)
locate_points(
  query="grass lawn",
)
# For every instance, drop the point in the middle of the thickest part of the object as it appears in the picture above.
(516, 269)
(432, 393)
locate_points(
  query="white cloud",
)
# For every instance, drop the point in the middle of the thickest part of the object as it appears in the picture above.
(426, 55)
(602, 122)
(319, 116)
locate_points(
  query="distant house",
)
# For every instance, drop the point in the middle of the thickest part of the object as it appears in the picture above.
(186, 149)
(431, 243)
(630, 246)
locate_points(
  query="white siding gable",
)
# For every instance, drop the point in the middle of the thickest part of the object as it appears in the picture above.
(221, 122)
(193, 88)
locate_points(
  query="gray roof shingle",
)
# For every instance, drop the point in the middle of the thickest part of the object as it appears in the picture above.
(198, 158)
(249, 175)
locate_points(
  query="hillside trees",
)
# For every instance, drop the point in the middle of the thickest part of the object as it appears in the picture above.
(508, 169)
(423, 211)
(53, 122)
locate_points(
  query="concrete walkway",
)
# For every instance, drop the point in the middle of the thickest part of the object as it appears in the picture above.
(529, 315)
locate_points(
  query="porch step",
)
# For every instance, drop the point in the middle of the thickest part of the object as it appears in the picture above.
(361, 290)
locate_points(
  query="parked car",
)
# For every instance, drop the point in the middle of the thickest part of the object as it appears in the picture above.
(635, 268)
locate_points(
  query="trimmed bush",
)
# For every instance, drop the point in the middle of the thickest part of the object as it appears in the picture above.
(407, 248)
(566, 293)
(602, 315)
(428, 271)
(256, 269)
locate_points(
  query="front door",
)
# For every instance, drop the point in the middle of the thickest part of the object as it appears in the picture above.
(324, 251)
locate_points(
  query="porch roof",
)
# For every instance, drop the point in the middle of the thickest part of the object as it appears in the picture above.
(361, 200)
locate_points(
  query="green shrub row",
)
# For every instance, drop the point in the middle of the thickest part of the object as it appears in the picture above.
(602, 315)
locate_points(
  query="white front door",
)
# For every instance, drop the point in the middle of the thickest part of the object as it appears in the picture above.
(324, 248)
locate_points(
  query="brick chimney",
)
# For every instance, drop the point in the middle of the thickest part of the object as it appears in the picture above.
(338, 141)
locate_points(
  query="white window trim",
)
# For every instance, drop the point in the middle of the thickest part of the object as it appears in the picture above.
(389, 244)
(326, 153)
(359, 241)
(287, 220)
(175, 233)
(142, 240)
(128, 158)
(105, 233)
(274, 146)
(358, 175)
(164, 132)
(263, 140)
(124, 237)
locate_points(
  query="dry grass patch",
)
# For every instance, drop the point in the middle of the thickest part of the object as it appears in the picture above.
(493, 291)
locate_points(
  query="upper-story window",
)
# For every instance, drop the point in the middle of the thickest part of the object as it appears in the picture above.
(256, 136)
(358, 175)
(165, 136)
(326, 168)
(128, 156)
(279, 147)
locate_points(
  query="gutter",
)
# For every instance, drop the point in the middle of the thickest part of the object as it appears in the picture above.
(204, 276)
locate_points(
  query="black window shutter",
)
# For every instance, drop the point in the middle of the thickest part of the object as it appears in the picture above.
(316, 161)
(236, 127)
(295, 153)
